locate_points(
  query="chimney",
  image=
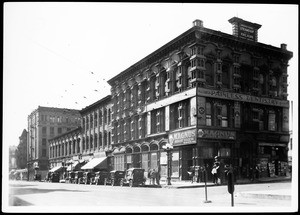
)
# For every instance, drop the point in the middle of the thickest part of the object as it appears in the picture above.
(244, 29)
(283, 46)
(198, 23)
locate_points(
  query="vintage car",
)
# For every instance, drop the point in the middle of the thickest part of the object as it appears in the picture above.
(134, 177)
(99, 177)
(114, 177)
(87, 177)
(54, 177)
(37, 177)
(78, 177)
(71, 177)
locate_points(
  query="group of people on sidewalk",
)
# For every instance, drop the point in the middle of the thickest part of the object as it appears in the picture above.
(154, 176)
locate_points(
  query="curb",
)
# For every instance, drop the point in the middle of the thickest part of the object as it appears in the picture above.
(236, 183)
(265, 196)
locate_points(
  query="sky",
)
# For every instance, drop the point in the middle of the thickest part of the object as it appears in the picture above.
(62, 54)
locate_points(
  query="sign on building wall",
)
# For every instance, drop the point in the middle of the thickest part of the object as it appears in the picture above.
(183, 137)
(241, 97)
(246, 32)
(216, 134)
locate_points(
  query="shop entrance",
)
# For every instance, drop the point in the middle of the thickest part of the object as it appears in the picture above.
(187, 162)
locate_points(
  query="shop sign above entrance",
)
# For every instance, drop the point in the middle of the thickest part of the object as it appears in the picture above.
(216, 134)
(183, 137)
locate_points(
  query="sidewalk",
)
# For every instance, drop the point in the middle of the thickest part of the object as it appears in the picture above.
(188, 184)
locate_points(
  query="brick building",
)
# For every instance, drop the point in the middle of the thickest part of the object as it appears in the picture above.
(45, 123)
(208, 94)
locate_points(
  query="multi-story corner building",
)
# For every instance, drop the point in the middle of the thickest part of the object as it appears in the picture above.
(45, 123)
(91, 140)
(21, 152)
(208, 94)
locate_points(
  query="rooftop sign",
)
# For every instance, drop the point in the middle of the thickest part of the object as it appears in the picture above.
(244, 29)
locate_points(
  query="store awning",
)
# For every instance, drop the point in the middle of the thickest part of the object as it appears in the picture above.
(97, 163)
(73, 166)
(57, 168)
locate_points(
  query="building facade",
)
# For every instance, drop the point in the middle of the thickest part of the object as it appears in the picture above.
(208, 94)
(21, 152)
(45, 123)
(12, 164)
(91, 140)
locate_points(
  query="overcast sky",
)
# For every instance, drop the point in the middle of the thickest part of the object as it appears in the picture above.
(56, 54)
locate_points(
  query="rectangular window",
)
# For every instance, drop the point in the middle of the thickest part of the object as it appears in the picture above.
(51, 130)
(44, 130)
(44, 141)
(119, 162)
(59, 130)
(44, 153)
(206, 152)
(272, 121)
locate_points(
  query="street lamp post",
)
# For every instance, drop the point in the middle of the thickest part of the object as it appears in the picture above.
(168, 148)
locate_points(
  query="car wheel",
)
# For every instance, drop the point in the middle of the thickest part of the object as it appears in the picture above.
(130, 183)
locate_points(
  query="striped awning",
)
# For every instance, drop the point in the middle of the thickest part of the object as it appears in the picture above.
(96, 163)
(57, 168)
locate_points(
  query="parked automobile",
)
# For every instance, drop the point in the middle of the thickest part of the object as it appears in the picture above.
(78, 177)
(134, 177)
(71, 177)
(87, 177)
(54, 177)
(37, 177)
(114, 177)
(99, 177)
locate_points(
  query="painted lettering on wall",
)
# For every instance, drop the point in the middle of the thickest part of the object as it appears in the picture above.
(183, 137)
(246, 32)
(241, 97)
(216, 134)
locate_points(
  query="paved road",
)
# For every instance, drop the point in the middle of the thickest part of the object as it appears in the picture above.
(73, 197)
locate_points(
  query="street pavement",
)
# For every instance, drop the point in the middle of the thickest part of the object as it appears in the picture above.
(61, 197)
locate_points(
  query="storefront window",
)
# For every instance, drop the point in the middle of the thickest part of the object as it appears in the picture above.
(153, 163)
(163, 164)
(206, 152)
(224, 152)
(175, 164)
(119, 162)
(145, 161)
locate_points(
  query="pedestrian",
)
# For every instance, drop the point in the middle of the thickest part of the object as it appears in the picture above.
(156, 176)
(257, 171)
(215, 173)
(191, 174)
